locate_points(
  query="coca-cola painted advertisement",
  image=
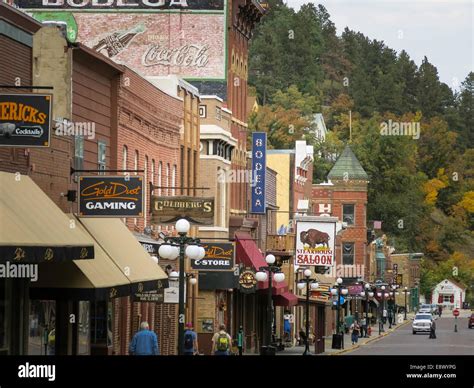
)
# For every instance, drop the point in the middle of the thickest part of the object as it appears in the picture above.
(191, 45)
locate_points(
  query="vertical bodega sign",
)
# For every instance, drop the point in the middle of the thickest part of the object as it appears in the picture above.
(259, 163)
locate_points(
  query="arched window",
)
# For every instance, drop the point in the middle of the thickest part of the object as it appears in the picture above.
(160, 180)
(124, 157)
(167, 178)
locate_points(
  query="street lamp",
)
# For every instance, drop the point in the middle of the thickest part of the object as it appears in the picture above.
(181, 246)
(368, 294)
(274, 272)
(313, 283)
(381, 294)
(406, 292)
(337, 291)
(394, 305)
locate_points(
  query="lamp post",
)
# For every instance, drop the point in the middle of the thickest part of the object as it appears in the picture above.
(406, 292)
(368, 294)
(382, 295)
(313, 283)
(181, 246)
(338, 290)
(274, 272)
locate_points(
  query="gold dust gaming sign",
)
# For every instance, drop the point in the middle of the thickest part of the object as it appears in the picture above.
(166, 210)
(25, 120)
(111, 196)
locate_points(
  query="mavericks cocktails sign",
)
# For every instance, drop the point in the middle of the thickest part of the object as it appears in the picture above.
(315, 243)
(25, 120)
(111, 196)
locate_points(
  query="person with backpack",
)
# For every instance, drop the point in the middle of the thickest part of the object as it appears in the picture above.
(355, 332)
(190, 341)
(221, 342)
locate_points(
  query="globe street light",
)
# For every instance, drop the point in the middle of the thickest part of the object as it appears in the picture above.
(181, 246)
(307, 282)
(338, 338)
(270, 272)
(368, 294)
(382, 294)
(406, 292)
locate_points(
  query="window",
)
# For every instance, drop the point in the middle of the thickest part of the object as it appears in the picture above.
(202, 111)
(218, 113)
(101, 323)
(446, 298)
(42, 328)
(135, 163)
(83, 330)
(181, 170)
(124, 158)
(101, 155)
(167, 178)
(173, 180)
(145, 179)
(190, 174)
(160, 170)
(348, 253)
(152, 175)
(78, 152)
(348, 214)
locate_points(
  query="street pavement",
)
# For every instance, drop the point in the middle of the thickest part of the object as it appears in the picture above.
(402, 341)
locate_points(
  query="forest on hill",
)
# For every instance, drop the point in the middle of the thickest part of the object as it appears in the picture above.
(421, 187)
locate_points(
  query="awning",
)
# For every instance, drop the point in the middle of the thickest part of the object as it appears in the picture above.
(97, 279)
(124, 249)
(247, 253)
(287, 299)
(33, 229)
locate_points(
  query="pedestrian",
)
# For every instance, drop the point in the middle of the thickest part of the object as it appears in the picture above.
(363, 327)
(144, 342)
(433, 330)
(355, 332)
(190, 341)
(440, 310)
(221, 342)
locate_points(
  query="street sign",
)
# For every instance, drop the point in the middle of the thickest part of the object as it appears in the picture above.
(456, 312)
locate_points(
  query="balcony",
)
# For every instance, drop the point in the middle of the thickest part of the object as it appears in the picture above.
(281, 245)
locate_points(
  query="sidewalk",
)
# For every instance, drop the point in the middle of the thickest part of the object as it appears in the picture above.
(298, 350)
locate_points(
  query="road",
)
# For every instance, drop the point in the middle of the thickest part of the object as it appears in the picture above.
(403, 342)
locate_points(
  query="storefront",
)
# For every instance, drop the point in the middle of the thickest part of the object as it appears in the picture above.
(449, 294)
(29, 239)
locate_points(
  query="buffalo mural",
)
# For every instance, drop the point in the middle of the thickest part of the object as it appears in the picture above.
(313, 237)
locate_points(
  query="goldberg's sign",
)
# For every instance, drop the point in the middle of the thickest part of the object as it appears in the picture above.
(166, 210)
(111, 196)
(259, 151)
(25, 120)
(315, 243)
(122, 4)
(219, 256)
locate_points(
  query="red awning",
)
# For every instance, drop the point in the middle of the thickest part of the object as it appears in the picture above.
(247, 253)
(287, 299)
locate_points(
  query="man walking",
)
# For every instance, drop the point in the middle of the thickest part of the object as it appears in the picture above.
(433, 330)
(190, 341)
(221, 342)
(144, 342)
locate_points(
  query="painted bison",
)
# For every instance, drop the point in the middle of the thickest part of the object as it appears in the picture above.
(313, 237)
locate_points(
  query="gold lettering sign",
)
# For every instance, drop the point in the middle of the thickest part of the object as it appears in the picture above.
(19, 254)
(168, 209)
(113, 293)
(48, 254)
(140, 287)
(84, 253)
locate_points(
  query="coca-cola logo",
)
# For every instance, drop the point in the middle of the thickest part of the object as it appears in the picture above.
(188, 55)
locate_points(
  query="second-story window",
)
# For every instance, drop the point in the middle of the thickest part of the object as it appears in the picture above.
(218, 113)
(101, 155)
(348, 253)
(348, 214)
(79, 152)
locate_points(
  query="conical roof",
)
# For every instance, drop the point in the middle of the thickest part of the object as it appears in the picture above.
(347, 166)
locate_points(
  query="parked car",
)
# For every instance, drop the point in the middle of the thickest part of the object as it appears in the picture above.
(422, 323)
(471, 321)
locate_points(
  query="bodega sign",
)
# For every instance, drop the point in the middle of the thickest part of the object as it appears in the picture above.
(259, 155)
(111, 196)
(315, 242)
(25, 120)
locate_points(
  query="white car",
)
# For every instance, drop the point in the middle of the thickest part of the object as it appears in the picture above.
(422, 323)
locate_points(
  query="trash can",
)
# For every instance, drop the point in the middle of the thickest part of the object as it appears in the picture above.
(337, 341)
(267, 351)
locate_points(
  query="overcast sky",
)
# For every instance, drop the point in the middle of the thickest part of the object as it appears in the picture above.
(440, 29)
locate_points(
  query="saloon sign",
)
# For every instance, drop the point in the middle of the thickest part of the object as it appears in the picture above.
(25, 120)
(219, 256)
(315, 243)
(166, 210)
(111, 196)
